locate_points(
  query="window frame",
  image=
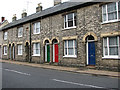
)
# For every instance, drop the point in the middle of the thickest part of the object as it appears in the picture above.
(34, 49)
(5, 50)
(5, 35)
(74, 49)
(66, 21)
(19, 30)
(117, 10)
(20, 49)
(108, 47)
(35, 28)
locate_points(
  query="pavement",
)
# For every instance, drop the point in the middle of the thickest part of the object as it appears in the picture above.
(69, 69)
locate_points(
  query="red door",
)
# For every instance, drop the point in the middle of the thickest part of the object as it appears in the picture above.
(56, 52)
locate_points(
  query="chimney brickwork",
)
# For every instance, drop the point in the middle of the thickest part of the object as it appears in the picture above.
(39, 8)
(56, 2)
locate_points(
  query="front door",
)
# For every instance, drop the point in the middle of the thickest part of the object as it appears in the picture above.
(91, 53)
(27, 52)
(55, 53)
(47, 53)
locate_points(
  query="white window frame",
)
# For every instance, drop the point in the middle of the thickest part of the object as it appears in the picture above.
(67, 21)
(111, 56)
(74, 56)
(108, 21)
(20, 32)
(20, 51)
(5, 35)
(35, 28)
(5, 50)
(34, 49)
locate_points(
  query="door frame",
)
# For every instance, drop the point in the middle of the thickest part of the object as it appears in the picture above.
(87, 50)
(0, 51)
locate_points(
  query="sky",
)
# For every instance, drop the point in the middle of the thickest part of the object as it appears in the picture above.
(10, 7)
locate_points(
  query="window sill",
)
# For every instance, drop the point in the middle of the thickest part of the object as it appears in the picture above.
(70, 28)
(111, 57)
(112, 21)
(36, 55)
(36, 33)
(19, 36)
(19, 54)
(70, 56)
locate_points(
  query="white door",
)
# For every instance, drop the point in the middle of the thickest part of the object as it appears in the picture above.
(0, 52)
(46, 53)
(13, 52)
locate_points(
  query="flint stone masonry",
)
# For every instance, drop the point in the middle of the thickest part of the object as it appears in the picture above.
(89, 20)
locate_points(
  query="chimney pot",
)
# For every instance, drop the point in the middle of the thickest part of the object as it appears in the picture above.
(2, 19)
(14, 17)
(56, 2)
(24, 14)
(39, 8)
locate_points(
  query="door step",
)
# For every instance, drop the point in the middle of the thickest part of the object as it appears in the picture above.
(90, 67)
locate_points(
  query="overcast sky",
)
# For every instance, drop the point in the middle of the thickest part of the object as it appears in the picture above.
(10, 7)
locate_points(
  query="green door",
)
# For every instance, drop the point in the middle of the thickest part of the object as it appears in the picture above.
(48, 53)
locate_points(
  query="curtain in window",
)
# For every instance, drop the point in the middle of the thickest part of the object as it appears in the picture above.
(65, 47)
(104, 13)
(113, 46)
(19, 49)
(36, 49)
(70, 47)
(119, 9)
(112, 12)
(105, 46)
(70, 20)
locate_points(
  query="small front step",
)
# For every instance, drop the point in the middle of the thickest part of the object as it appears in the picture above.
(90, 67)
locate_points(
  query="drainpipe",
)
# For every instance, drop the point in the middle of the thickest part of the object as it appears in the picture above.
(30, 46)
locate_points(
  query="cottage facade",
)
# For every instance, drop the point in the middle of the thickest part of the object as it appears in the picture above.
(2, 24)
(70, 34)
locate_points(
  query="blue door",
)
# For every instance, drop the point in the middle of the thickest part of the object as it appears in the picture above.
(91, 53)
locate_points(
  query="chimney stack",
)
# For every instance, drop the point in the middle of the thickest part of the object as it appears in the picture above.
(14, 17)
(39, 8)
(24, 14)
(2, 19)
(56, 2)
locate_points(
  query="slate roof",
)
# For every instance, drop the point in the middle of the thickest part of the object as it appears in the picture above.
(49, 11)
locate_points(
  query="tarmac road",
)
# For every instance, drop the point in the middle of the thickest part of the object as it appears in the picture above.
(19, 76)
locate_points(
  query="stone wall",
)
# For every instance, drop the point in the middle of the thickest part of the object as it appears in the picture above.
(89, 22)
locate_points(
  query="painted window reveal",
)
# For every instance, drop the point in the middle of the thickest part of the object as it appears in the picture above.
(20, 32)
(70, 48)
(5, 50)
(19, 49)
(5, 35)
(36, 28)
(36, 49)
(70, 20)
(111, 12)
(111, 47)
